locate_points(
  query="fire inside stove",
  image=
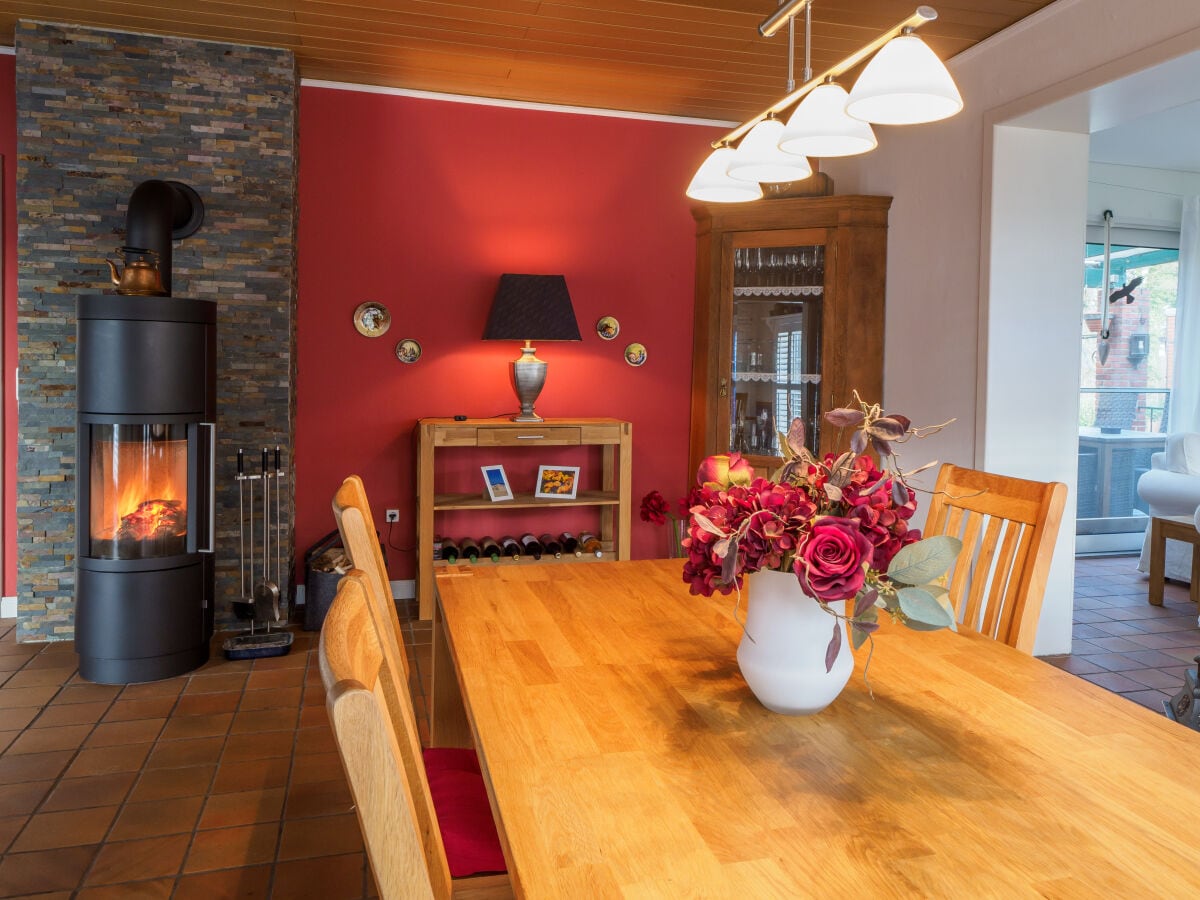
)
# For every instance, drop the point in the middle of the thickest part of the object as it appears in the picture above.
(138, 491)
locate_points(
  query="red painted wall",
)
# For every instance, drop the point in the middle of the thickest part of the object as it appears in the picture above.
(421, 205)
(8, 149)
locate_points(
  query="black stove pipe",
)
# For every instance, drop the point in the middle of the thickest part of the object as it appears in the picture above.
(159, 212)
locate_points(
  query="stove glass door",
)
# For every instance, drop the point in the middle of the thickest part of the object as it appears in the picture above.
(138, 491)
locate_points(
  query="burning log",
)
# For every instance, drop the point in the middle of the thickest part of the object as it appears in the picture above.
(154, 520)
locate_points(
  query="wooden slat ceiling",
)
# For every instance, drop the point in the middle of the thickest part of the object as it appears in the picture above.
(699, 58)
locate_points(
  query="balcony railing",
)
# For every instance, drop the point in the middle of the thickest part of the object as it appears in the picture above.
(1120, 429)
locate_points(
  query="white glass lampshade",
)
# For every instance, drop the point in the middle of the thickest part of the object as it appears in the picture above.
(820, 126)
(712, 183)
(904, 84)
(759, 159)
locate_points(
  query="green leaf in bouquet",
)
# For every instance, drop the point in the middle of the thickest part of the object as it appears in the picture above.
(921, 608)
(924, 561)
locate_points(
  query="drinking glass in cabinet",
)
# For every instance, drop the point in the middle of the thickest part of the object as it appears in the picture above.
(776, 361)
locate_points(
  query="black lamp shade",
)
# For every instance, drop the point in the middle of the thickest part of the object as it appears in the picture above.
(532, 308)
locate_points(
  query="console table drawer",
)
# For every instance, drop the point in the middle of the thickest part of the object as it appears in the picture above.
(518, 436)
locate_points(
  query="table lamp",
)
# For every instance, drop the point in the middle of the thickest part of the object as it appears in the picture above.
(531, 308)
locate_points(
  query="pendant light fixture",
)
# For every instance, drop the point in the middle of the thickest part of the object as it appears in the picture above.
(712, 184)
(821, 127)
(759, 158)
(905, 83)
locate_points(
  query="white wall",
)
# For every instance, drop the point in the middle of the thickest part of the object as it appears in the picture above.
(1031, 308)
(940, 176)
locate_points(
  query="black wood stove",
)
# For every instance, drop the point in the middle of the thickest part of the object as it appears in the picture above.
(146, 387)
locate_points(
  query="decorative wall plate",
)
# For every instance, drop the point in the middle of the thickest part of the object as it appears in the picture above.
(408, 351)
(372, 319)
(608, 328)
(635, 354)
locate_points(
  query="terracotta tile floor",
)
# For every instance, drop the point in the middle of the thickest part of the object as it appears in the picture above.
(1121, 642)
(226, 783)
(219, 784)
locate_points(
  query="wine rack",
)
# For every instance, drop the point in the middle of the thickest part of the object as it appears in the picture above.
(612, 500)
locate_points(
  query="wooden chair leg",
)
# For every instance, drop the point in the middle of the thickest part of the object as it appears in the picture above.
(1158, 553)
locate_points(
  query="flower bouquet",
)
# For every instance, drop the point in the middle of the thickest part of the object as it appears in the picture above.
(840, 524)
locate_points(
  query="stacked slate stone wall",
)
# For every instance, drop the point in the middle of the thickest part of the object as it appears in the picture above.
(98, 112)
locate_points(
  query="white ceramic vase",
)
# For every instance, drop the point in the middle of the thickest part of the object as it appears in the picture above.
(782, 653)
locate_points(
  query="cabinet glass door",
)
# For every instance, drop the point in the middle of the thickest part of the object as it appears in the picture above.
(776, 352)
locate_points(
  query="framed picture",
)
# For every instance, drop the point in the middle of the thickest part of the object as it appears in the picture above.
(497, 483)
(557, 482)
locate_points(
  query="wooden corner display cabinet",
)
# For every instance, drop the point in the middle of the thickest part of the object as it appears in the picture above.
(789, 320)
(612, 500)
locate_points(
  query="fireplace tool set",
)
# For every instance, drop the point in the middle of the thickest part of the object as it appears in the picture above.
(260, 574)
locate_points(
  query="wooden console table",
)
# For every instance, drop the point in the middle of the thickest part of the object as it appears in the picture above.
(613, 499)
(1174, 528)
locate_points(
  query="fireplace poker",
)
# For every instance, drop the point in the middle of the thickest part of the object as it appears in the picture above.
(278, 532)
(244, 608)
(266, 592)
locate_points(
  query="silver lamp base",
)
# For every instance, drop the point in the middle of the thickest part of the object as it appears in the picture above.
(528, 377)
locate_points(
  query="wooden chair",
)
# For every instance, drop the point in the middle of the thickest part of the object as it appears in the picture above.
(354, 521)
(417, 846)
(1008, 527)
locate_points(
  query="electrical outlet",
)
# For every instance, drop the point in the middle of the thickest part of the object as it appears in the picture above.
(393, 515)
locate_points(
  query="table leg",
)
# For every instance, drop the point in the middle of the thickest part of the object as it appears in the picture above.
(1194, 588)
(448, 725)
(1158, 554)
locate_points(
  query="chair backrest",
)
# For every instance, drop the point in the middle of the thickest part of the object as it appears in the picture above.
(353, 514)
(1008, 527)
(376, 733)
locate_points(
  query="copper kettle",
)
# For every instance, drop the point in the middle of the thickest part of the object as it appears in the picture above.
(141, 276)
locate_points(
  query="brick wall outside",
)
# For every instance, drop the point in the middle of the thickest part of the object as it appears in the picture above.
(98, 112)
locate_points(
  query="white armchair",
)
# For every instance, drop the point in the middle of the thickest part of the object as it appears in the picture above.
(1172, 488)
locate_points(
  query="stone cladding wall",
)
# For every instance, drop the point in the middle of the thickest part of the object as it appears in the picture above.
(98, 112)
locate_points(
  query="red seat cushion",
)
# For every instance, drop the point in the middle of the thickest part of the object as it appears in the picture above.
(463, 811)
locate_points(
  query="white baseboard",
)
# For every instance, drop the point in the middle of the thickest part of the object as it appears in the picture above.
(8, 607)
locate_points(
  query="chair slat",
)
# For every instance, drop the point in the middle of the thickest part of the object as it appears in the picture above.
(1003, 579)
(964, 568)
(1014, 599)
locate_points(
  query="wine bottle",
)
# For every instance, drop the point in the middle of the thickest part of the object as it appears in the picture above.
(570, 543)
(489, 548)
(531, 546)
(591, 544)
(468, 548)
(450, 552)
(551, 546)
(511, 548)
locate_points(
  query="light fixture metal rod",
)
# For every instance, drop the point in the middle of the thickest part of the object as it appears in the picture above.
(791, 79)
(787, 9)
(922, 16)
(807, 75)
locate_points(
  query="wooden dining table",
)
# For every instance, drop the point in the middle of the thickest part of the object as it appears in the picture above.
(626, 757)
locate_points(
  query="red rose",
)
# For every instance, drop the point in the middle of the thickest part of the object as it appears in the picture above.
(831, 561)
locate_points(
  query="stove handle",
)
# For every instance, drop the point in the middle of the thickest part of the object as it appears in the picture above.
(212, 487)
